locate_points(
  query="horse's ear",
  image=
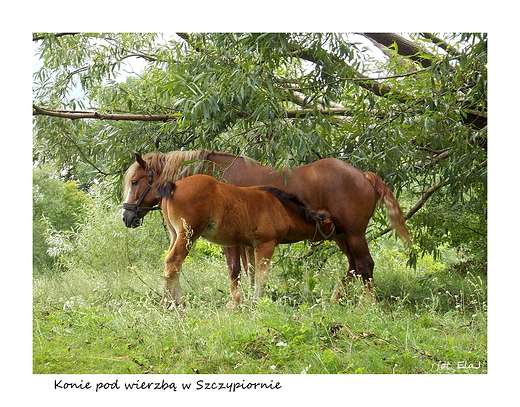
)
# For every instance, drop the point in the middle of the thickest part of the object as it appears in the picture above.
(140, 160)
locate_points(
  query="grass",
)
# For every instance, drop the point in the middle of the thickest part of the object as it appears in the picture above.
(107, 320)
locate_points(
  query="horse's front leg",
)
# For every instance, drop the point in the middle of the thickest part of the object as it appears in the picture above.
(263, 253)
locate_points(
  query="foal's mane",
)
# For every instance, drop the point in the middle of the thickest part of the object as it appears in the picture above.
(169, 165)
(310, 215)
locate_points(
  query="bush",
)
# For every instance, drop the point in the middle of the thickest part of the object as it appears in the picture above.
(59, 207)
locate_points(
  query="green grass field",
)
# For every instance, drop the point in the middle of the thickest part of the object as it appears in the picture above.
(101, 315)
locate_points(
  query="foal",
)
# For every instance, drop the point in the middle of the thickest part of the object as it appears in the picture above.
(259, 218)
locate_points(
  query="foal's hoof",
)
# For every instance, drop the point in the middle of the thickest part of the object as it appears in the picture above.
(235, 303)
(338, 295)
(170, 305)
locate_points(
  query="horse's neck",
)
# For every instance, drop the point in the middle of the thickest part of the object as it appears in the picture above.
(237, 171)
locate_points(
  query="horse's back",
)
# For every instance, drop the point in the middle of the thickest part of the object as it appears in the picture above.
(333, 185)
(332, 172)
(328, 184)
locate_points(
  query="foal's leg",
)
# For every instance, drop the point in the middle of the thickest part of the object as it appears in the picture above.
(233, 255)
(263, 254)
(178, 251)
(248, 254)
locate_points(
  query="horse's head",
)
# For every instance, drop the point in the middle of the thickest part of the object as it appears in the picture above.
(140, 197)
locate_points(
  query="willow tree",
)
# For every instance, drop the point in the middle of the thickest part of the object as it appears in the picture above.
(412, 108)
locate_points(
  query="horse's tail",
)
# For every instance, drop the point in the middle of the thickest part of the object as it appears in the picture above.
(164, 189)
(385, 197)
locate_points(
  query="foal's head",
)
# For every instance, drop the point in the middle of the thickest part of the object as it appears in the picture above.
(140, 196)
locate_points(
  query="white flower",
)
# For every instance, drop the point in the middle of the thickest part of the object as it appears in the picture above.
(304, 371)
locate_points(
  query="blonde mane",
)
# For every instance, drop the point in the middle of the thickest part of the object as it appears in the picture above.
(167, 165)
(170, 167)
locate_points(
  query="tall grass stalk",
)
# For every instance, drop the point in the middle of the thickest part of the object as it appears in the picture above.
(102, 315)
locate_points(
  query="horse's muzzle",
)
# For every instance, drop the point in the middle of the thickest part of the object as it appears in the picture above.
(130, 219)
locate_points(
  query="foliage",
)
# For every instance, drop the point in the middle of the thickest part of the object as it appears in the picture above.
(284, 99)
(413, 110)
(105, 319)
(59, 207)
(101, 314)
(104, 243)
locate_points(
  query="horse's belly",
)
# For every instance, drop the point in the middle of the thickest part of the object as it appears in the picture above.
(214, 235)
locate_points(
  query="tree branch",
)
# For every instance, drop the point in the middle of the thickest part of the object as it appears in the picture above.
(442, 44)
(378, 89)
(404, 47)
(84, 156)
(74, 115)
(426, 195)
(360, 78)
(41, 37)
(293, 114)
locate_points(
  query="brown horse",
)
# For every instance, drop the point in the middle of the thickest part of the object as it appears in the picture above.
(258, 218)
(348, 194)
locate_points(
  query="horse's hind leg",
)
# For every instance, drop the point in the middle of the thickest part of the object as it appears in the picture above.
(360, 261)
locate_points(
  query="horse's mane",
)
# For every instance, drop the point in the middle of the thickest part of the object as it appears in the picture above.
(310, 215)
(169, 165)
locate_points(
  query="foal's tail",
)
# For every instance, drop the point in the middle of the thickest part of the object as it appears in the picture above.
(385, 197)
(164, 189)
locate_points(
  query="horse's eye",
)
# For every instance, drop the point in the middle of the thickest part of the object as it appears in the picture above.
(134, 183)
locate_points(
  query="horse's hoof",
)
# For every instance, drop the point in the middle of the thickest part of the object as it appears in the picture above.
(232, 305)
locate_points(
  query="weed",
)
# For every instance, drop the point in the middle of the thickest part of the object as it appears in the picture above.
(101, 315)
